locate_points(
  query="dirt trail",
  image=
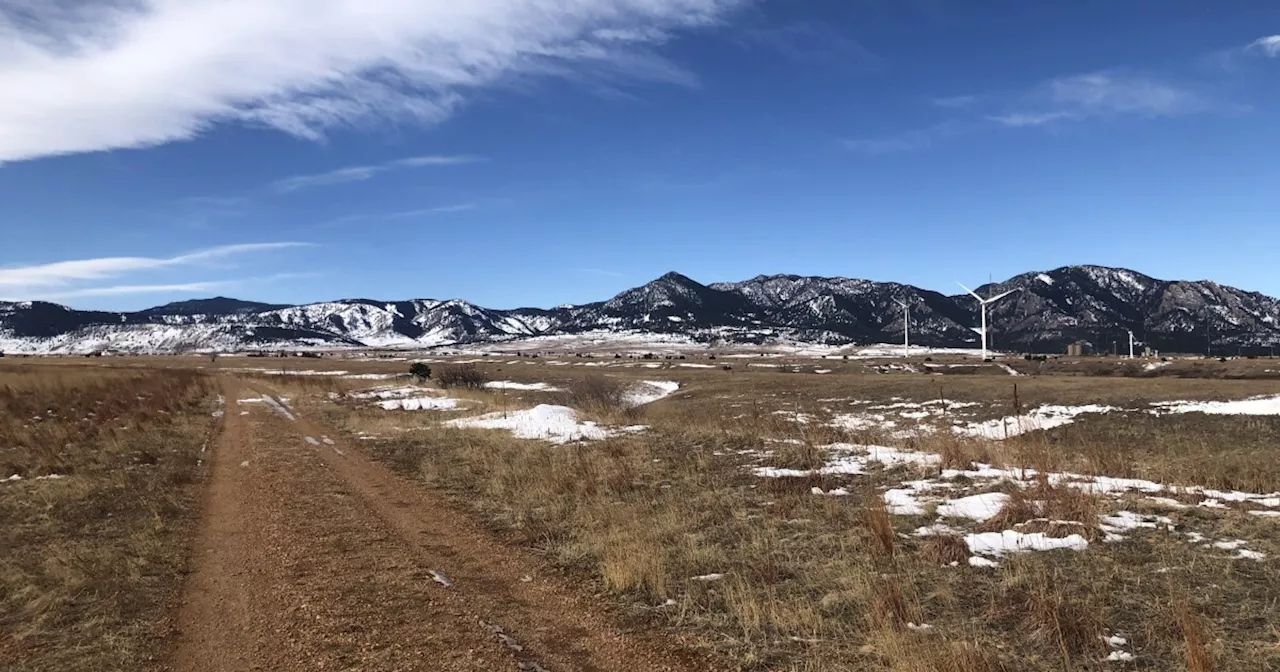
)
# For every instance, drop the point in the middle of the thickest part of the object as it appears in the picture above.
(313, 557)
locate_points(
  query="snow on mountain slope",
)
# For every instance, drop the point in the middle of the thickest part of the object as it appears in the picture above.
(1049, 310)
(1100, 304)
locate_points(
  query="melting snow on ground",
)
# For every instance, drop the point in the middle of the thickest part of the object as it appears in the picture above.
(1010, 541)
(17, 477)
(979, 508)
(914, 497)
(649, 391)
(1044, 417)
(557, 424)
(280, 406)
(853, 459)
(522, 387)
(393, 392)
(419, 404)
(1267, 405)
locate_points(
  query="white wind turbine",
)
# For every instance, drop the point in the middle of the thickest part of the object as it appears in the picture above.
(906, 327)
(985, 303)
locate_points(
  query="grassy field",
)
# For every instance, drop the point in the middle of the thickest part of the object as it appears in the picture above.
(675, 524)
(101, 472)
(784, 513)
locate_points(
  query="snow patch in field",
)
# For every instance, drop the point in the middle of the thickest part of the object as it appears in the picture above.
(522, 387)
(557, 424)
(393, 392)
(419, 404)
(696, 366)
(311, 440)
(1265, 405)
(902, 502)
(1044, 417)
(292, 372)
(849, 458)
(1116, 524)
(278, 405)
(1152, 366)
(980, 508)
(48, 477)
(1010, 541)
(649, 391)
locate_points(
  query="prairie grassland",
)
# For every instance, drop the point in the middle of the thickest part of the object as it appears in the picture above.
(676, 525)
(97, 524)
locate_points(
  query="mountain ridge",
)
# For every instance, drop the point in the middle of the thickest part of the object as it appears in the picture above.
(1047, 310)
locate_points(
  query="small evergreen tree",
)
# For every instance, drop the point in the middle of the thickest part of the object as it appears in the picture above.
(420, 371)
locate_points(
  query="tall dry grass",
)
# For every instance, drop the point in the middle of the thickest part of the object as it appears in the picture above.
(92, 563)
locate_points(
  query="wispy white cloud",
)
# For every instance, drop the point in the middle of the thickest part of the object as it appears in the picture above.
(362, 173)
(1267, 46)
(1058, 101)
(1021, 119)
(127, 290)
(179, 288)
(37, 278)
(1107, 94)
(93, 76)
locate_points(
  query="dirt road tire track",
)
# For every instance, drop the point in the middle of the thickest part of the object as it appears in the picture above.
(315, 557)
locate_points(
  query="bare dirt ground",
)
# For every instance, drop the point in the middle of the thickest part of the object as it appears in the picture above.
(312, 557)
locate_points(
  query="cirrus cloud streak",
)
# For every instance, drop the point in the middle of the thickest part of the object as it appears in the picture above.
(138, 73)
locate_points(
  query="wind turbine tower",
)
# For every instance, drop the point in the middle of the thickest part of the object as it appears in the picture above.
(984, 303)
(906, 328)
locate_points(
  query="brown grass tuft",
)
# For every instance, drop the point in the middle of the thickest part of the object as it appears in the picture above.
(944, 549)
(888, 607)
(1058, 510)
(597, 393)
(1054, 611)
(1198, 657)
(880, 525)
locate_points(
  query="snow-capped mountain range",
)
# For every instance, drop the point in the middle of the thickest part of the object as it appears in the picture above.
(1049, 310)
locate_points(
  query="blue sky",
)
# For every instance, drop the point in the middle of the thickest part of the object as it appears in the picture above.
(539, 152)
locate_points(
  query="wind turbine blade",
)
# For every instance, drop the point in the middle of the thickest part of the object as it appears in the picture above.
(975, 295)
(997, 298)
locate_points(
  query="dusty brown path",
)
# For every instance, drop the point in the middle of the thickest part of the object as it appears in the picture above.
(313, 557)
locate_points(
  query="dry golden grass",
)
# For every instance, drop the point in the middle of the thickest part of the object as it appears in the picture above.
(1193, 632)
(92, 563)
(825, 583)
